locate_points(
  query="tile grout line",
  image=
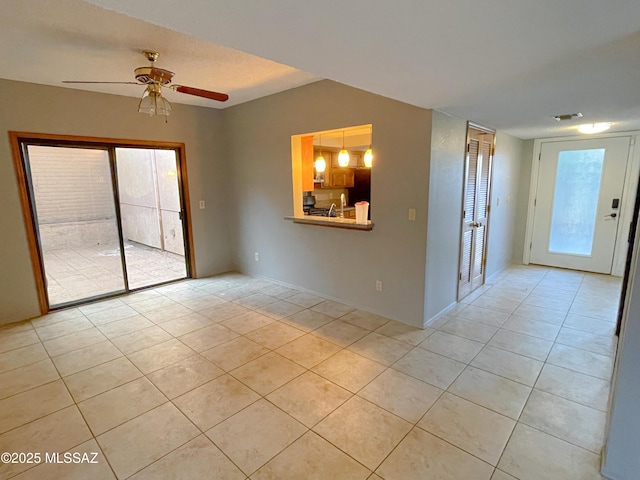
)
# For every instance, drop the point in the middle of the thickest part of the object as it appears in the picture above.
(342, 348)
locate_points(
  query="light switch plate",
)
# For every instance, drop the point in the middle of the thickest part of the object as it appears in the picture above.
(201, 204)
(412, 214)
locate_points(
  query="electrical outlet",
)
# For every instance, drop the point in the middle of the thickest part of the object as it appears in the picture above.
(412, 214)
(379, 285)
(201, 204)
(497, 201)
(257, 256)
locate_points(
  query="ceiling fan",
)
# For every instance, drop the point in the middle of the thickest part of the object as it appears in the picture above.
(152, 101)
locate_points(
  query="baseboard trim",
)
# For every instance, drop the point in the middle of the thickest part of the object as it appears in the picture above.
(328, 297)
(440, 314)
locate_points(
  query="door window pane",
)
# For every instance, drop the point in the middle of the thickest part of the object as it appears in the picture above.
(76, 219)
(575, 201)
(151, 216)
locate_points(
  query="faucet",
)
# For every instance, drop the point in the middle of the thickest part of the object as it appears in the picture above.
(343, 202)
(331, 209)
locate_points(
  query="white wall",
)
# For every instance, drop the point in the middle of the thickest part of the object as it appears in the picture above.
(446, 172)
(42, 109)
(507, 160)
(342, 264)
(620, 455)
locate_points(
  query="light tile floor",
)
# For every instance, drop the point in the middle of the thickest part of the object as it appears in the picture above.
(77, 273)
(233, 378)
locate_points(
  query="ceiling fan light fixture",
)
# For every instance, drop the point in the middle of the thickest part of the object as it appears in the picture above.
(591, 128)
(153, 103)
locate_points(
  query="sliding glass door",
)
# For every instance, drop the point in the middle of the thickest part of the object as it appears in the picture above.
(107, 219)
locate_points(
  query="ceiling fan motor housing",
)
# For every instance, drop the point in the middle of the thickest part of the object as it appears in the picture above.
(153, 75)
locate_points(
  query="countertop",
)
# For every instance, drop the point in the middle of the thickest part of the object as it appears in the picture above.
(335, 222)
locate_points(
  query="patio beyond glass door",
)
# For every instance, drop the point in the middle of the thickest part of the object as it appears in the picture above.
(578, 203)
(151, 214)
(75, 216)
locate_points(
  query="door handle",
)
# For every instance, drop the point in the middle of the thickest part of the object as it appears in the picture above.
(612, 215)
(476, 224)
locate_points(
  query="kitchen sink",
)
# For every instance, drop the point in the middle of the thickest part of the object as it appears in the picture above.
(322, 212)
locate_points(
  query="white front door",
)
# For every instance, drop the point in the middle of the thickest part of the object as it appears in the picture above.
(578, 203)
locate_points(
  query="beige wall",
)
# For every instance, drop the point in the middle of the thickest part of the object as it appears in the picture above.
(448, 140)
(42, 109)
(342, 264)
(239, 162)
(522, 205)
(508, 157)
(620, 459)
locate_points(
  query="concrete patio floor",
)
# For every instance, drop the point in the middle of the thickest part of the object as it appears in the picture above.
(74, 274)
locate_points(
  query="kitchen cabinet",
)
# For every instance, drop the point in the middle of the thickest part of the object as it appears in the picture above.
(342, 177)
(307, 163)
(350, 213)
(356, 160)
(336, 176)
(329, 157)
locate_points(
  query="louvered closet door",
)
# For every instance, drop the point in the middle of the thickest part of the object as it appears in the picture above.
(475, 215)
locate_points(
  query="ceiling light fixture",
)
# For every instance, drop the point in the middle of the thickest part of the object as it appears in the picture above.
(320, 163)
(591, 128)
(153, 103)
(368, 155)
(343, 156)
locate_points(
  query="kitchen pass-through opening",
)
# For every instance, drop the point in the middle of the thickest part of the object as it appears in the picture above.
(332, 172)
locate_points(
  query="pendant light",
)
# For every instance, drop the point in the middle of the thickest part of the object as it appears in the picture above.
(343, 156)
(368, 155)
(320, 164)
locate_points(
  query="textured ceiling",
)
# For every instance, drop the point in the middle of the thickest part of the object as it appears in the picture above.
(505, 64)
(43, 41)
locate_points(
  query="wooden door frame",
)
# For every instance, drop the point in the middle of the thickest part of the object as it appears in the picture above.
(485, 130)
(15, 140)
(628, 193)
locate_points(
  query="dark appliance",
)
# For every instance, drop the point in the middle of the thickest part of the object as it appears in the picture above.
(361, 190)
(308, 202)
